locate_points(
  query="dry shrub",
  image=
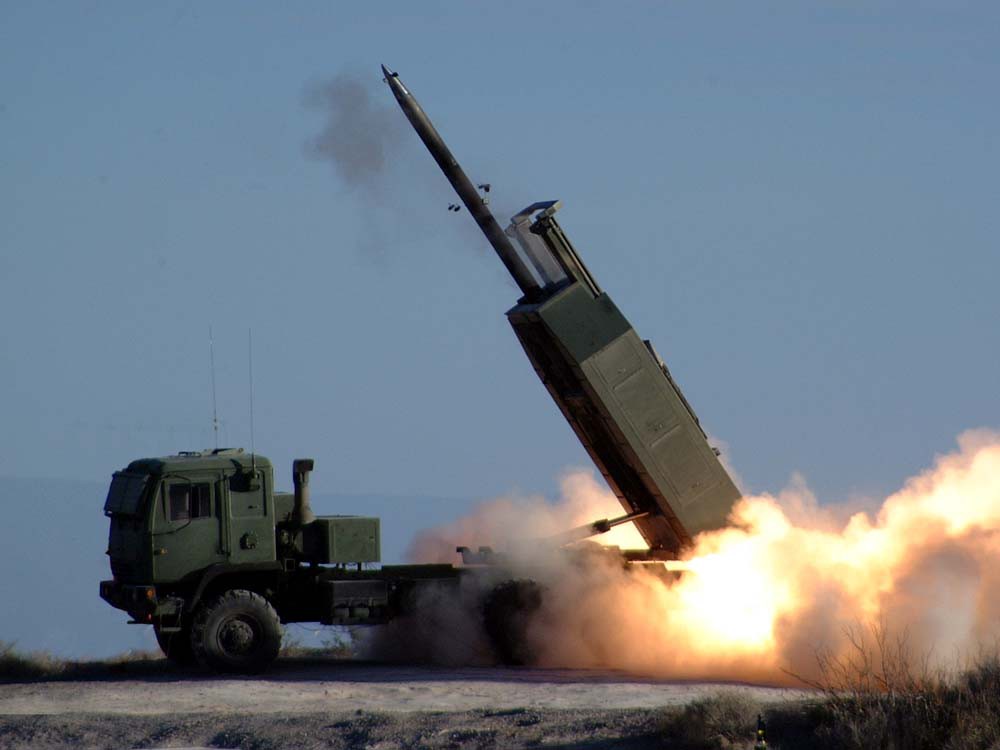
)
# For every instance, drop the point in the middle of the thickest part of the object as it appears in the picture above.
(977, 697)
(727, 719)
(877, 695)
(18, 667)
(35, 666)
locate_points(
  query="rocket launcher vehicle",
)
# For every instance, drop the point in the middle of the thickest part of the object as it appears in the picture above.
(611, 386)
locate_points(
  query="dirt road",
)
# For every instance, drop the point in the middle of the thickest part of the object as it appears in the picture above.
(353, 686)
(313, 704)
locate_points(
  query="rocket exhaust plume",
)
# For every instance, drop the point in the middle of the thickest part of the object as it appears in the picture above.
(762, 599)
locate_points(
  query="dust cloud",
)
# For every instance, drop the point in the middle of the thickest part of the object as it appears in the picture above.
(788, 580)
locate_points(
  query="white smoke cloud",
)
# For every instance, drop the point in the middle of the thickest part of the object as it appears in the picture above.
(785, 582)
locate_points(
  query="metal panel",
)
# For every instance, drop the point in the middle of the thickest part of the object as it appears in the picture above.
(356, 593)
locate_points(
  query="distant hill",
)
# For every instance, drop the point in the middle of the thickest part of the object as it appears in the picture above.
(52, 542)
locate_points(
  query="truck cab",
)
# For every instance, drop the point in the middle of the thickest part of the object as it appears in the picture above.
(173, 516)
(204, 549)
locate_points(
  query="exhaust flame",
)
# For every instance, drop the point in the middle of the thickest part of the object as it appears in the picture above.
(784, 582)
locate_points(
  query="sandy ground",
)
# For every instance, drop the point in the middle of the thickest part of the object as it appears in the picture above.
(312, 704)
(351, 686)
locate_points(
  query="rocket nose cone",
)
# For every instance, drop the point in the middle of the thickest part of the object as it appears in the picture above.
(398, 89)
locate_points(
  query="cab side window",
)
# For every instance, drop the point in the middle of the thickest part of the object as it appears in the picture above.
(190, 501)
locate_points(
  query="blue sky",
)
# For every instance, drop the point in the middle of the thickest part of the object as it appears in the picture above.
(797, 203)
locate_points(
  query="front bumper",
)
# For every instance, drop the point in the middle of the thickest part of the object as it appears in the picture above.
(129, 597)
(141, 602)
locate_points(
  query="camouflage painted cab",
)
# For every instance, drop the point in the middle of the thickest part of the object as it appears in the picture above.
(174, 515)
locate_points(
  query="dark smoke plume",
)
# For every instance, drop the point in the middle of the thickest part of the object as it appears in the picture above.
(400, 192)
(359, 134)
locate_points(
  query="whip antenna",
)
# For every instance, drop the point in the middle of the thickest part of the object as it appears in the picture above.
(215, 412)
(253, 457)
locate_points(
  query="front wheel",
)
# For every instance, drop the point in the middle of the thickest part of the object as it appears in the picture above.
(238, 631)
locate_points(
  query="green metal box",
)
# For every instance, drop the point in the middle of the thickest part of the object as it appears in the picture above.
(342, 539)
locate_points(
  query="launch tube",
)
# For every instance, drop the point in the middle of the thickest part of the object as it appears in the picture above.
(463, 186)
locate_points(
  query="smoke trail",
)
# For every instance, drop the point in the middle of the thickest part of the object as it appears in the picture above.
(763, 597)
(401, 199)
(359, 135)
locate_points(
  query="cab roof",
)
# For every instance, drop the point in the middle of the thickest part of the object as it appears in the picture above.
(220, 458)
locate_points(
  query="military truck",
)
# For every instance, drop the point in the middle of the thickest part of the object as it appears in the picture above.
(205, 550)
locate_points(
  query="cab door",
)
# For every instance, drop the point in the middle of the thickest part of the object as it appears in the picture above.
(187, 528)
(251, 525)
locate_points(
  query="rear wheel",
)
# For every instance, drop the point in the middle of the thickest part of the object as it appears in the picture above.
(238, 631)
(176, 646)
(507, 611)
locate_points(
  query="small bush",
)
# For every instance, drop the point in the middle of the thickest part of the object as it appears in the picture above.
(727, 719)
(878, 696)
(874, 696)
(16, 666)
(977, 699)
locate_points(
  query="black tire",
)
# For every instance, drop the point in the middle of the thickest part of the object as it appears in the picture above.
(176, 646)
(238, 631)
(507, 611)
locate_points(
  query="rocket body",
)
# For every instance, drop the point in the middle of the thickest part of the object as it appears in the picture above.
(463, 186)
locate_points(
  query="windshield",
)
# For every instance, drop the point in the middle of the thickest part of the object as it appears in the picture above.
(125, 492)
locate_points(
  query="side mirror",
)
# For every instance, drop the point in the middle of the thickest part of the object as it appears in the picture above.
(245, 482)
